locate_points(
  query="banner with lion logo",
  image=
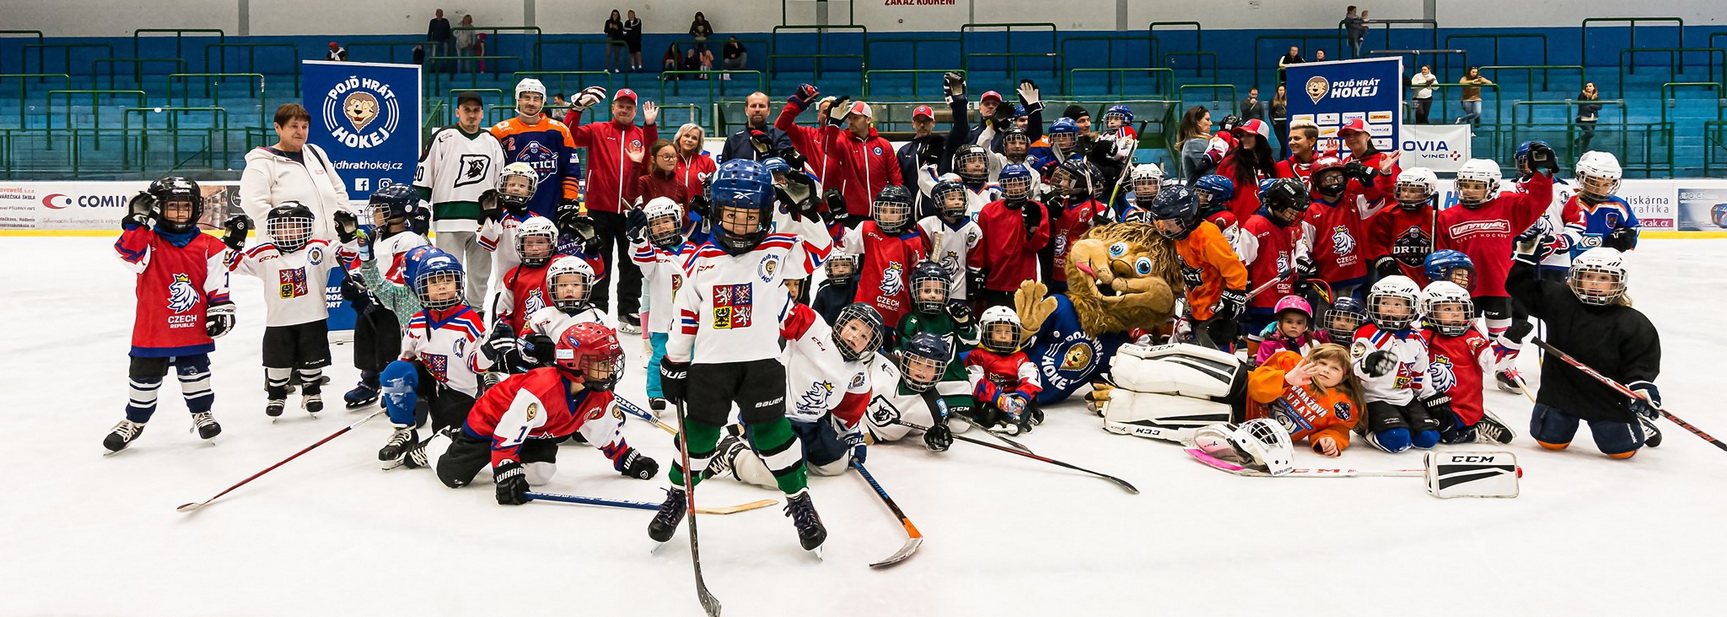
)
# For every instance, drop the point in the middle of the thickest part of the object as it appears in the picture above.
(1333, 94)
(367, 117)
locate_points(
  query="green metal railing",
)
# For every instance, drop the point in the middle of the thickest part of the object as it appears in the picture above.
(210, 79)
(1164, 87)
(1529, 74)
(23, 88)
(1430, 25)
(1415, 55)
(1523, 116)
(1496, 38)
(179, 42)
(1714, 147)
(669, 121)
(533, 31)
(213, 137)
(390, 47)
(714, 82)
(820, 47)
(95, 118)
(1671, 89)
(1012, 56)
(581, 46)
(1157, 43)
(137, 67)
(870, 76)
(1631, 23)
(1302, 41)
(583, 80)
(22, 67)
(41, 50)
(435, 80)
(293, 56)
(1675, 61)
(1443, 103)
(915, 42)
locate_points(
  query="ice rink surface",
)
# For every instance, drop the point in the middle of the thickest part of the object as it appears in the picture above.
(331, 534)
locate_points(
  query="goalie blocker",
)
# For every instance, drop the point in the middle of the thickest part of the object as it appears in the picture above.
(1168, 391)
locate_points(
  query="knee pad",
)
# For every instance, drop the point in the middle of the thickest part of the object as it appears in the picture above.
(1391, 440)
(1424, 440)
(1552, 427)
(1617, 439)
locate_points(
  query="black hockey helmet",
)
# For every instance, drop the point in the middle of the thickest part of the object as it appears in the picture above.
(892, 209)
(921, 353)
(176, 189)
(1076, 177)
(1176, 205)
(397, 203)
(934, 275)
(289, 226)
(965, 154)
(1281, 194)
(948, 185)
(859, 319)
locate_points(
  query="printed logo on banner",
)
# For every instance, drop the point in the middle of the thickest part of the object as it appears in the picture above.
(1379, 116)
(1317, 87)
(1324, 119)
(362, 102)
(57, 201)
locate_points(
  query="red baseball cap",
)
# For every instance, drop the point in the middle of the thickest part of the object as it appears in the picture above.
(861, 108)
(923, 110)
(991, 95)
(1355, 125)
(625, 93)
(333, 45)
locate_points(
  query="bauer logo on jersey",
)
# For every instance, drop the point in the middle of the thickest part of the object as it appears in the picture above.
(893, 279)
(768, 266)
(370, 108)
(732, 304)
(181, 296)
(1443, 374)
(1317, 86)
(292, 283)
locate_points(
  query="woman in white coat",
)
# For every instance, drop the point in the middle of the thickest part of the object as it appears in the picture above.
(292, 170)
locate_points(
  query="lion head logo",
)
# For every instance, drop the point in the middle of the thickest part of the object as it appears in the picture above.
(1318, 87)
(360, 108)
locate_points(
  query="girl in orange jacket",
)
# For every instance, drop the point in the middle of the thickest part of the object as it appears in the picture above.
(1317, 397)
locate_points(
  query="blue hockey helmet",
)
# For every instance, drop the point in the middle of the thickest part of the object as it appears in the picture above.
(776, 165)
(1015, 181)
(1121, 111)
(922, 360)
(1523, 150)
(1346, 314)
(741, 188)
(436, 267)
(1442, 265)
(1174, 211)
(1213, 189)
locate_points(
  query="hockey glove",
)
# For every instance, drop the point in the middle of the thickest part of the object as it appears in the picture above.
(234, 231)
(421, 221)
(1230, 303)
(1380, 363)
(953, 84)
(512, 484)
(355, 294)
(1354, 170)
(1003, 116)
(836, 201)
(1386, 266)
(1623, 238)
(1083, 145)
(1031, 214)
(539, 349)
(1649, 406)
(1229, 123)
(674, 378)
(588, 97)
(1541, 157)
(976, 279)
(802, 190)
(634, 223)
(579, 228)
(699, 206)
(960, 312)
(138, 211)
(637, 465)
(938, 438)
(219, 319)
(855, 440)
(1305, 268)
(838, 111)
(346, 225)
(1028, 95)
(1528, 243)
(489, 207)
(794, 159)
(1438, 406)
(502, 349)
(803, 96)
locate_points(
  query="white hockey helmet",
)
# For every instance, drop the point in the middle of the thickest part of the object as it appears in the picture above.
(1147, 177)
(658, 210)
(838, 258)
(568, 265)
(536, 227)
(1598, 175)
(1585, 278)
(999, 316)
(1387, 290)
(1416, 179)
(1260, 444)
(1440, 296)
(1477, 170)
(530, 84)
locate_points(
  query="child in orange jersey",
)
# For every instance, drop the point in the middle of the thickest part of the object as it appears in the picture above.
(1215, 278)
(1316, 397)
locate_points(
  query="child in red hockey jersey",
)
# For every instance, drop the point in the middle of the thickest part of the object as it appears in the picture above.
(1458, 356)
(1004, 381)
(1014, 230)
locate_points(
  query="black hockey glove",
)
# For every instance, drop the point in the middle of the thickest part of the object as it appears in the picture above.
(234, 231)
(1380, 363)
(1621, 239)
(634, 224)
(356, 295)
(539, 349)
(489, 207)
(699, 205)
(803, 97)
(836, 202)
(138, 211)
(801, 191)
(1354, 170)
(953, 83)
(1229, 123)
(1031, 215)
(960, 312)
(1386, 266)
(674, 378)
(976, 279)
(346, 225)
(1083, 145)
(421, 221)
(1230, 304)
(219, 319)
(1003, 117)
(1644, 406)
(855, 441)
(794, 159)
(512, 484)
(1438, 407)
(1542, 158)
(929, 149)
(584, 232)
(502, 348)
(1305, 268)
(938, 438)
(637, 465)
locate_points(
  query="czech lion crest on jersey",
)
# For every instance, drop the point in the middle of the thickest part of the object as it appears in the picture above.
(181, 296)
(536, 300)
(1443, 373)
(893, 279)
(816, 396)
(1341, 238)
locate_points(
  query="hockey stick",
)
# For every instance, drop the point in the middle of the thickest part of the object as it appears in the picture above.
(1217, 463)
(1003, 438)
(643, 414)
(194, 506)
(914, 538)
(643, 505)
(1118, 481)
(1523, 385)
(710, 604)
(1620, 388)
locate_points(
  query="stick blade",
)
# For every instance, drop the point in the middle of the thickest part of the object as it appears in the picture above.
(1123, 484)
(742, 507)
(904, 553)
(710, 604)
(189, 507)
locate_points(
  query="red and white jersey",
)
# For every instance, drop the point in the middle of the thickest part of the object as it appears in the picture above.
(551, 322)
(952, 246)
(176, 284)
(1268, 249)
(819, 380)
(1072, 223)
(1457, 366)
(1406, 236)
(294, 283)
(1485, 232)
(1400, 386)
(735, 302)
(884, 276)
(522, 292)
(393, 251)
(1008, 253)
(1334, 233)
(448, 343)
(537, 405)
(814, 244)
(662, 275)
(499, 237)
(993, 374)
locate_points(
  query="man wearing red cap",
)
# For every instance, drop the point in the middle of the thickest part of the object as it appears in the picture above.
(337, 53)
(1364, 161)
(861, 161)
(615, 160)
(925, 147)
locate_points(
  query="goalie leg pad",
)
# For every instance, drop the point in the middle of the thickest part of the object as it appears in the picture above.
(1126, 407)
(1463, 473)
(1188, 370)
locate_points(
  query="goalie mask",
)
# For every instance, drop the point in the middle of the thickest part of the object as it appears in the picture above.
(1260, 444)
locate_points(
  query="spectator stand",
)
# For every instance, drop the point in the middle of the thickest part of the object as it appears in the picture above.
(1494, 73)
(1675, 63)
(10, 47)
(1452, 42)
(983, 35)
(291, 55)
(1415, 56)
(1305, 42)
(1631, 26)
(794, 36)
(1430, 25)
(1157, 42)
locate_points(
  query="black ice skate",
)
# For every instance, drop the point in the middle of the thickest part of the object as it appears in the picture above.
(405, 437)
(725, 455)
(811, 533)
(122, 435)
(671, 514)
(1651, 433)
(205, 425)
(1492, 430)
(1508, 382)
(274, 407)
(364, 393)
(312, 403)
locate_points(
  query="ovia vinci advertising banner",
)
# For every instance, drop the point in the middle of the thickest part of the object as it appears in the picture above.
(1333, 94)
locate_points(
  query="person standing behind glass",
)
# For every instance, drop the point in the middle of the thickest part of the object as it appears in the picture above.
(615, 51)
(1423, 84)
(633, 37)
(1195, 144)
(443, 44)
(1472, 82)
(1588, 112)
(465, 43)
(1280, 120)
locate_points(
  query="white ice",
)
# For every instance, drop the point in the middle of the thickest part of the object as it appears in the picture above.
(331, 534)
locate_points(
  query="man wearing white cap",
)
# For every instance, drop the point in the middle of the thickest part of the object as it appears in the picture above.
(544, 144)
(615, 160)
(861, 161)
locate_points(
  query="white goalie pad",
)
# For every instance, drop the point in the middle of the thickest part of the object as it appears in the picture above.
(1463, 473)
(1159, 416)
(1178, 368)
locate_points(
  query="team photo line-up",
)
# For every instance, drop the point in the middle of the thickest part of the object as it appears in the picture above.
(812, 291)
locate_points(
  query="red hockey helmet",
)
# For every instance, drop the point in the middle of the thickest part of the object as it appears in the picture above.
(589, 354)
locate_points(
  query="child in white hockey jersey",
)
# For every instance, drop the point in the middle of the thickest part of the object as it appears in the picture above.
(501, 212)
(828, 390)
(953, 235)
(1390, 356)
(570, 286)
(295, 266)
(658, 248)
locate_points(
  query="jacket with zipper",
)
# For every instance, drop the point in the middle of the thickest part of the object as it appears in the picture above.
(271, 179)
(611, 173)
(859, 166)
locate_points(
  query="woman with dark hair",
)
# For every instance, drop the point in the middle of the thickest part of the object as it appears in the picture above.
(1588, 112)
(661, 178)
(614, 41)
(700, 30)
(1280, 119)
(1194, 142)
(671, 59)
(1248, 162)
(1472, 82)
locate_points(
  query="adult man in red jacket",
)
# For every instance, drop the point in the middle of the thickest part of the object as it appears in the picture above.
(861, 162)
(615, 151)
(806, 140)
